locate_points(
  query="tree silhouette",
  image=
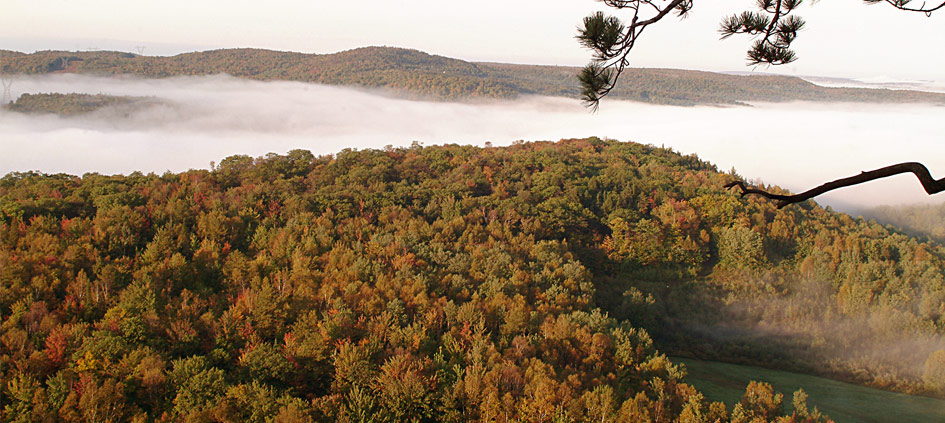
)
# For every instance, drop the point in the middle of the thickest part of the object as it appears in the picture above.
(774, 27)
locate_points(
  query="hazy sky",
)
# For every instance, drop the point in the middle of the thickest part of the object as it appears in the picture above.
(843, 38)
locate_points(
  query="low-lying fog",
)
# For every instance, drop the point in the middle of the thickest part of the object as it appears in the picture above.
(798, 145)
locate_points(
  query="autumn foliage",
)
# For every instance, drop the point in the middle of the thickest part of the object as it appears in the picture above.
(537, 282)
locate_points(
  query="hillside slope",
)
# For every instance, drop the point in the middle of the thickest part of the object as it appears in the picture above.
(452, 283)
(843, 402)
(418, 74)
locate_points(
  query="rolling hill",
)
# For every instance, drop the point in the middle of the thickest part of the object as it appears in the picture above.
(417, 74)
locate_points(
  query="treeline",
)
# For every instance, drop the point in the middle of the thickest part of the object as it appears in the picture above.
(74, 104)
(417, 74)
(538, 282)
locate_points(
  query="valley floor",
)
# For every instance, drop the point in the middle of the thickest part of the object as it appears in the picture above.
(843, 402)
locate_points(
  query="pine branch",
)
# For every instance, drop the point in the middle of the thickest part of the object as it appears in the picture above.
(612, 42)
(932, 186)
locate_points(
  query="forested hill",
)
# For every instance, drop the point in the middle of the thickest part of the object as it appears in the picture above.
(78, 104)
(537, 282)
(417, 74)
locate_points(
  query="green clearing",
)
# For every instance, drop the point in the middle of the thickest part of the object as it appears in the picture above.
(843, 402)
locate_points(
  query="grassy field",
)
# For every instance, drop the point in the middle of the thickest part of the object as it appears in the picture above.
(843, 402)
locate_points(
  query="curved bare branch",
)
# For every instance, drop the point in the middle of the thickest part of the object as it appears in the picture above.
(772, 23)
(931, 185)
(901, 5)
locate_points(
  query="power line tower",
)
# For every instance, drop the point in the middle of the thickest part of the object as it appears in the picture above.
(140, 50)
(7, 82)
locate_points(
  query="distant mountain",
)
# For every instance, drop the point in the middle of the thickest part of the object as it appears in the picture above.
(879, 83)
(926, 220)
(417, 74)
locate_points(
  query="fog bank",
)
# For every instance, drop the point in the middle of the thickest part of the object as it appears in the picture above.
(804, 325)
(879, 82)
(798, 145)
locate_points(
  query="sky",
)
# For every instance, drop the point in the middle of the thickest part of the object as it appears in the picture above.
(843, 38)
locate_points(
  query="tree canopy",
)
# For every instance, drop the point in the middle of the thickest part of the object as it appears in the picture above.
(538, 282)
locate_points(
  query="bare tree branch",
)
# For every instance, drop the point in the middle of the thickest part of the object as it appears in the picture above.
(901, 5)
(772, 24)
(932, 186)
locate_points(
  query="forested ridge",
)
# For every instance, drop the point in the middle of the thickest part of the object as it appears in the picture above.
(421, 75)
(538, 282)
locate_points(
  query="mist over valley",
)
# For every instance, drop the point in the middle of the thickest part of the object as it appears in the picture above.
(205, 119)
